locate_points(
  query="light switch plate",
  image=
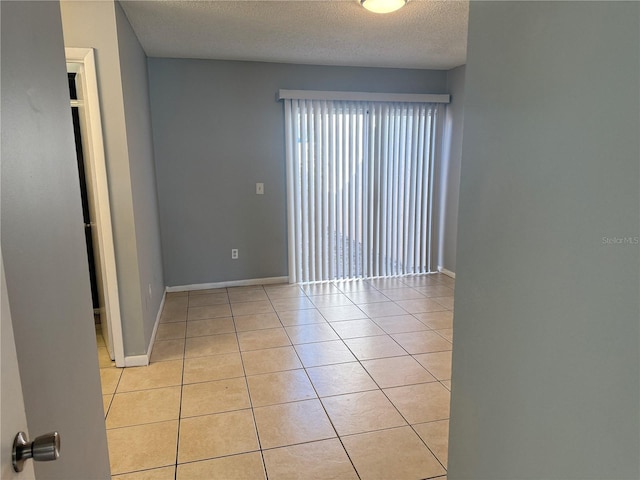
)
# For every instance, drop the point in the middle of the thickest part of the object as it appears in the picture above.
(259, 188)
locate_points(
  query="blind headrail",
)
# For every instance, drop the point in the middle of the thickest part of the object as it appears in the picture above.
(363, 96)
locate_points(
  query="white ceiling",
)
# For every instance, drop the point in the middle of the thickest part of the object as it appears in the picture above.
(423, 34)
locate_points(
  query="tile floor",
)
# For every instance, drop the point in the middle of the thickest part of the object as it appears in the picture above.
(345, 380)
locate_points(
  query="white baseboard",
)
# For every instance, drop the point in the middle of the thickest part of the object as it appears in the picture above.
(446, 272)
(144, 360)
(232, 283)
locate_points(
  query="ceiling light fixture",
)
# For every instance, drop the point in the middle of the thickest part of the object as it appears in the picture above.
(383, 6)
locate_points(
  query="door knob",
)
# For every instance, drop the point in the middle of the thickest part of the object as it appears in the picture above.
(43, 449)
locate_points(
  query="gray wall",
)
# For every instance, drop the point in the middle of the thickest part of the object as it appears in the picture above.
(451, 159)
(217, 131)
(135, 90)
(43, 245)
(122, 86)
(546, 366)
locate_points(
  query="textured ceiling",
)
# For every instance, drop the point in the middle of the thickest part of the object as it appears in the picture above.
(423, 34)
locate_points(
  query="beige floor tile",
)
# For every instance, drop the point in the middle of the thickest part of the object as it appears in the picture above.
(209, 311)
(100, 340)
(397, 454)
(400, 324)
(109, 378)
(164, 473)
(357, 328)
(331, 300)
(446, 333)
(170, 331)
(436, 320)
(448, 281)
(259, 321)
(206, 291)
(246, 466)
(345, 312)
(397, 371)
(446, 302)
(270, 360)
(405, 293)
(218, 435)
(171, 316)
(315, 332)
(323, 460)
(176, 302)
(182, 293)
(106, 403)
(324, 353)
(421, 403)
(320, 289)
(214, 397)
(447, 384)
(283, 291)
(367, 348)
(422, 342)
(280, 387)
(436, 291)
(340, 379)
(104, 360)
(144, 406)
(301, 317)
(388, 283)
(294, 303)
(211, 345)
(208, 299)
(251, 308)
(362, 412)
(165, 350)
(174, 309)
(155, 375)
(216, 367)
(436, 436)
(261, 339)
(291, 423)
(353, 286)
(367, 296)
(382, 309)
(422, 280)
(245, 288)
(211, 326)
(438, 364)
(251, 295)
(142, 447)
(420, 306)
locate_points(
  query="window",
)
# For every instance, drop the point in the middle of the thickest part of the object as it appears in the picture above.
(359, 184)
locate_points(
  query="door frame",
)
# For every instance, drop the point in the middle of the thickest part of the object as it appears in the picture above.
(95, 164)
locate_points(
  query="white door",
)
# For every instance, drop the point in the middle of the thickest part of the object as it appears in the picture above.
(12, 414)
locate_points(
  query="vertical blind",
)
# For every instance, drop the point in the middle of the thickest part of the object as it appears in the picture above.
(359, 188)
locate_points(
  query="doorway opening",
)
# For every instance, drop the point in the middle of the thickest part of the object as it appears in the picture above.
(84, 102)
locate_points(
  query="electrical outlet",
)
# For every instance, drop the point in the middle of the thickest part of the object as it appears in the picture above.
(234, 254)
(259, 188)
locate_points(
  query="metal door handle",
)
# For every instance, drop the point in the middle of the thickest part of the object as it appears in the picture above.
(43, 449)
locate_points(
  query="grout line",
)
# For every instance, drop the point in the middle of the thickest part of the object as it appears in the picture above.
(253, 413)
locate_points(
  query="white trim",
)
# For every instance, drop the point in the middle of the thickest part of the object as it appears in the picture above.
(136, 361)
(363, 96)
(96, 168)
(232, 283)
(446, 272)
